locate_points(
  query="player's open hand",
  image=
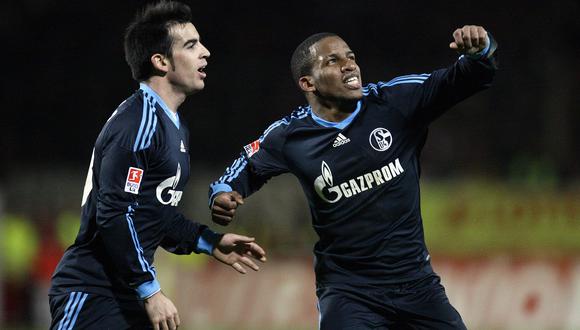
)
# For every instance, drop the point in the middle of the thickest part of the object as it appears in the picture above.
(237, 251)
(224, 207)
(162, 312)
(469, 40)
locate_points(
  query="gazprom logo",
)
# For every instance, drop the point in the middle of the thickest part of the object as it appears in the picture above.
(167, 189)
(328, 192)
(326, 173)
(324, 187)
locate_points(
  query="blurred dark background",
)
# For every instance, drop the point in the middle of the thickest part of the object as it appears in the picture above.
(64, 73)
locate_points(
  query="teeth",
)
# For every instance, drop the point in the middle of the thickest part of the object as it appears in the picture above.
(352, 79)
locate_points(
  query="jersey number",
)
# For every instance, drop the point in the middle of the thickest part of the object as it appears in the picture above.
(88, 181)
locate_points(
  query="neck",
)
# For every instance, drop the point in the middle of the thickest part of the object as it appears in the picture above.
(333, 111)
(172, 97)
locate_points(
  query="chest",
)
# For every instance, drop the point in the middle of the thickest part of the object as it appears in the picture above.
(169, 160)
(377, 138)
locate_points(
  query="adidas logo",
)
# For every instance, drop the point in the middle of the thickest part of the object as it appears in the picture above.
(182, 148)
(340, 140)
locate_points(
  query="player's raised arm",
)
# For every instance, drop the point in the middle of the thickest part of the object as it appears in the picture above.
(424, 97)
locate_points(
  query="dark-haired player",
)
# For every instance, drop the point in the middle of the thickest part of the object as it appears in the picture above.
(355, 151)
(138, 171)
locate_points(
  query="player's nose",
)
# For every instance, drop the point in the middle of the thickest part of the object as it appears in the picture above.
(205, 53)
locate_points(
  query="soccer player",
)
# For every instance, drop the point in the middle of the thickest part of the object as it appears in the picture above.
(355, 151)
(138, 170)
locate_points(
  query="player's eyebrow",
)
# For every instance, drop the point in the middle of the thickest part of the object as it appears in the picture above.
(190, 42)
(335, 55)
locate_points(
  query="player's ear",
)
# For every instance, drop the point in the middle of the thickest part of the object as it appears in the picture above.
(306, 83)
(160, 62)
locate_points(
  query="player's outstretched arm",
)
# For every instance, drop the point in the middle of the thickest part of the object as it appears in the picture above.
(469, 40)
(224, 207)
(237, 251)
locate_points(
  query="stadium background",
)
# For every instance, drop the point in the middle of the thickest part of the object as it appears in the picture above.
(501, 173)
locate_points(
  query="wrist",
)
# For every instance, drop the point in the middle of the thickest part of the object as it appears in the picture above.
(482, 53)
(152, 297)
(216, 190)
(148, 289)
(207, 241)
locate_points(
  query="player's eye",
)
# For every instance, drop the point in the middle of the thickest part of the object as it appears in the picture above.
(191, 44)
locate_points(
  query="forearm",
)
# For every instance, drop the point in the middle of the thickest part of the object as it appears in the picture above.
(470, 74)
(257, 163)
(238, 178)
(449, 86)
(123, 241)
(184, 236)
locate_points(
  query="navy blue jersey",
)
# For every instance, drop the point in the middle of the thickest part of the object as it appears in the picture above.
(139, 168)
(361, 176)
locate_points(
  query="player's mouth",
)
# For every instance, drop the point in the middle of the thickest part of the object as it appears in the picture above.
(352, 81)
(201, 71)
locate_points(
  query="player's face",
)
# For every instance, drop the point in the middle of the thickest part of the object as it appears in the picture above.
(335, 72)
(189, 59)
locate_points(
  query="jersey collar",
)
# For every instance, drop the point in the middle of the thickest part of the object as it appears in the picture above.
(173, 116)
(341, 124)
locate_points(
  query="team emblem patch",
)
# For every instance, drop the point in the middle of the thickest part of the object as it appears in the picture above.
(380, 139)
(133, 180)
(252, 148)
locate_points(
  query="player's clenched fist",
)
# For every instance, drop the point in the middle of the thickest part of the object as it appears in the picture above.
(224, 207)
(469, 40)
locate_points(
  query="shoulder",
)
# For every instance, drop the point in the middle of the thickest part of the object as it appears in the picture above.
(132, 124)
(400, 84)
(282, 127)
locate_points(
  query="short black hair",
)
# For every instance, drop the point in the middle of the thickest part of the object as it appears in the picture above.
(149, 33)
(302, 58)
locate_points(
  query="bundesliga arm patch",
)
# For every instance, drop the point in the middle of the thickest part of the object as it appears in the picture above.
(252, 148)
(133, 180)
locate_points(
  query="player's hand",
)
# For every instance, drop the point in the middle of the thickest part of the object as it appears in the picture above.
(224, 207)
(162, 313)
(237, 251)
(469, 39)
